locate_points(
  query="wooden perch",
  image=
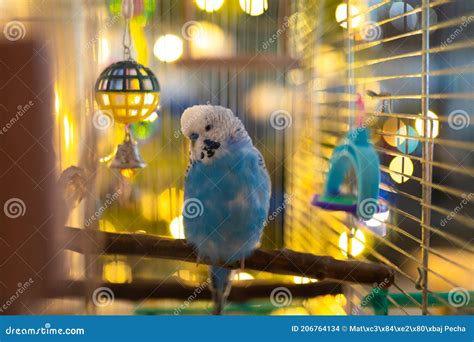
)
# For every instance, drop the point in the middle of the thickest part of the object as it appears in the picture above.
(179, 290)
(282, 261)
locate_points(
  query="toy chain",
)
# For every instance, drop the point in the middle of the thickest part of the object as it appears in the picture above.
(127, 12)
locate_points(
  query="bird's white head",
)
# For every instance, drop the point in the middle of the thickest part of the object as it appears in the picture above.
(211, 129)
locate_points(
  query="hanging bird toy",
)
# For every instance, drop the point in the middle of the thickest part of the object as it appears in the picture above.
(129, 92)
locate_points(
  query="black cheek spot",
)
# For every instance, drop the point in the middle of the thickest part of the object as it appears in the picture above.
(202, 155)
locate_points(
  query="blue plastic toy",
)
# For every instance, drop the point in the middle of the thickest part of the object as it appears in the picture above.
(358, 153)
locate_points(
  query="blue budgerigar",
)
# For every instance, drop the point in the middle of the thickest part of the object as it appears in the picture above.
(227, 192)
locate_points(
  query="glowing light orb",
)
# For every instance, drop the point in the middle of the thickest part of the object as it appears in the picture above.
(303, 280)
(117, 272)
(243, 276)
(357, 243)
(177, 227)
(210, 41)
(254, 7)
(209, 5)
(390, 127)
(403, 166)
(433, 125)
(341, 15)
(168, 48)
(407, 145)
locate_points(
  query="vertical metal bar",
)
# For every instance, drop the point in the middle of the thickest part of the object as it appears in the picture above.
(427, 153)
(350, 63)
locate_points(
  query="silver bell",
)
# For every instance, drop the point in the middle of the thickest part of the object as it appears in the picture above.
(128, 155)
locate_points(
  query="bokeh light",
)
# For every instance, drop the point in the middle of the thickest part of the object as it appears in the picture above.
(210, 41)
(389, 129)
(401, 166)
(243, 276)
(177, 227)
(303, 280)
(117, 272)
(407, 145)
(209, 5)
(254, 7)
(433, 131)
(341, 16)
(357, 242)
(168, 48)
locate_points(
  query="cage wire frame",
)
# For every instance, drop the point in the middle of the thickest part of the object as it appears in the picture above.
(320, 116)
(310, 149)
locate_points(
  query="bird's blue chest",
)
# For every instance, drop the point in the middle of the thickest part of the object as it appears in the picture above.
(231, 195)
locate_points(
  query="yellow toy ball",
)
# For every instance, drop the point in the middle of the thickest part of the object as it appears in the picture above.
(128, 91)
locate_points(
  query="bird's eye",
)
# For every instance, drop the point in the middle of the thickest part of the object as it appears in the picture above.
(208, 128)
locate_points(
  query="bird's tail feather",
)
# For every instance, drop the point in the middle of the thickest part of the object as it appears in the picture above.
(220, 287)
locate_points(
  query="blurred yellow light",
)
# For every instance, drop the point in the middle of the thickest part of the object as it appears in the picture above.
(109, 157)
(107, 226)
(303, 280)
(210, 41)
(402, 165)
(341, 15)
(117, 272)
(391, 126)
(186, 275)
(67, 132)
(357, 245)
(177, 227)
(242, 276)
(169, 203)
(209, 5)
(56, 102)
(104, 50)
(420, 125)
(254, 7)
(127, 173)
(152, 117)
(168, 48)
(289, 311)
